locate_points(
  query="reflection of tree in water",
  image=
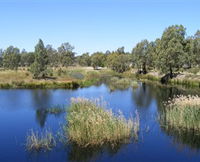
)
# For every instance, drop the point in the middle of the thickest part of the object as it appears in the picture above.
(41, 116)
(143, 95)
(41, 100)
(183, 137)
(79, 154)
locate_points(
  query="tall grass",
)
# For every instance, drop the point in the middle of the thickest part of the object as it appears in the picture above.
(40, 141)
(90, 124)
(182, 112)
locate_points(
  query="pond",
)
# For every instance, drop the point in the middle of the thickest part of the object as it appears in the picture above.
(23, 110)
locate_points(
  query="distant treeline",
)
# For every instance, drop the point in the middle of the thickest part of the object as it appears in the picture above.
(167, 54)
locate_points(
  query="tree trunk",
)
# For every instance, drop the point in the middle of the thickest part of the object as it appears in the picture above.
(171, 73)
(144, 68)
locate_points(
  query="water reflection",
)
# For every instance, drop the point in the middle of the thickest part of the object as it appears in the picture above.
(41, 98)
(78, 154)
(183, 137)
(143, 95)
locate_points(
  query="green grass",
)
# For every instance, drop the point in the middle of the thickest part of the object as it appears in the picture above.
(90, 124)
(182, 112)
(40, 142)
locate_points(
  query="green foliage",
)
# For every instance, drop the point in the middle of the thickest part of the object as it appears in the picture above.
(98, 60)
(140, 55)
(171, 49)
(118, 62)
(11, 58)
(66, 54)
(84, 60)
(39, 67)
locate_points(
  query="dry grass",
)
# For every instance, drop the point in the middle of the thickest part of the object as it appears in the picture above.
(90, 124)
(37, 142)
(183, 112)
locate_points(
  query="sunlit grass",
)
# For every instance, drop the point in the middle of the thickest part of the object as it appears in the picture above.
(90, 124)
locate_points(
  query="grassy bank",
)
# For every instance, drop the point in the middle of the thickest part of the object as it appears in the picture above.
(186, 80)
(69, 78)
(90, 124)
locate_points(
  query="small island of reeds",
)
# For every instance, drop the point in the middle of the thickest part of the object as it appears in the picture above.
(89, 123)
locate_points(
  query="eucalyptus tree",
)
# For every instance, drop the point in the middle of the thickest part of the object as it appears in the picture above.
(84, 59)
(66, 54)
(53, 57)
(98, 59)
(171, 49)
(197, 48)
(140, 55)
(11, 58)
(118, 62)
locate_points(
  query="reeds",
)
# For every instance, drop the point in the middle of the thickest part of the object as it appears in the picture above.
(40, 141)
(183, 112)
(90, 124)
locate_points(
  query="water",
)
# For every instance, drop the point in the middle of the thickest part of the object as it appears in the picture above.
(22, 110)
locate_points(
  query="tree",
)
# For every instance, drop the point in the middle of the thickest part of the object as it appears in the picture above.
(1, 57)
(140, 54)
(53, 57)
(39, 67)
(189, 55)
(84, 60)
(98, 60)
(197, 48)
(66, 54)
(11, 58)
(171, 49)
(118, 62)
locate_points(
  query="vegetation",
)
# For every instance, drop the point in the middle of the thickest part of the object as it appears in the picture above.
(39, 67)
(90, 124)
(121, 83)
(40, 142)
(173, 52)
(183, 112)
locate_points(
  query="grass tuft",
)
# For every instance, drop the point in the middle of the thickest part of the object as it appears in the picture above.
(90, 124)
(40, 142)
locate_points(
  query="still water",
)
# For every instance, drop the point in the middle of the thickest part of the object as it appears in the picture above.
(22, 110)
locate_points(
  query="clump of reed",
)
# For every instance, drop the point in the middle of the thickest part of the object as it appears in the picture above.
(182, 112)
(43, 141)
(90, 124)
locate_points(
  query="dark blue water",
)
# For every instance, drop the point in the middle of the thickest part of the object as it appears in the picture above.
(22, 110)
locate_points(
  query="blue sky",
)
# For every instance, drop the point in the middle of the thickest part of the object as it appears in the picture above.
(92, 25)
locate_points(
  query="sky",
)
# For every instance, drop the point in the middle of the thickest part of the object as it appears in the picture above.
(92, 25)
